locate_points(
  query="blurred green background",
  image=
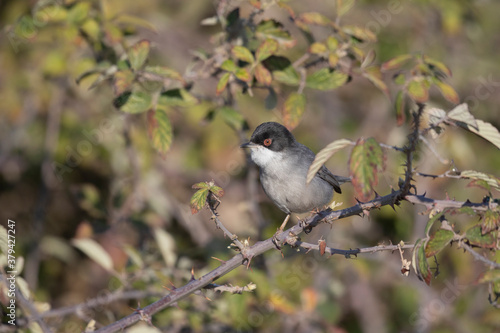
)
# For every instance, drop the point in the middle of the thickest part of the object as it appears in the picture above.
(117, 190)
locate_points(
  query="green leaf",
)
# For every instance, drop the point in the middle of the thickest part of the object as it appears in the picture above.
(314, 18)
(229, 66)
(112, 33)
(94, 251)
(367, 158)
(375, 76)
(262, 75)
(136, 21)
(493, 275)
(333, 60)
(474, 236)
(274, 30)
(420, 263)
(293, 109)
(438, 242)
(159, 127)
(332, 43)
(491, 221)
(418, 90)
(431, 222)
(221, 86)
(396, 63)
(243, 74)
(324, 155)
(92, 28)
(123, 81)
(400, 108)
(491, 180)
(325, 79)
(287, 76)
(134, 255)
(242, 53)
(447, 91)
(133, 102)
(277, 63)
(399, 79)
(138, 54)
(78, 13)
(198, 200)
(437, 66)
(232, 117)
(461, 116)
(165, 72)
(317, 48)
(360, 33)
(266, 49)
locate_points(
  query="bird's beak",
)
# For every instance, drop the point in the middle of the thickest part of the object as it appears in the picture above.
(249, 145)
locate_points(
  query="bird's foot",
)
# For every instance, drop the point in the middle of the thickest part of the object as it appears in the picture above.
(276, 240)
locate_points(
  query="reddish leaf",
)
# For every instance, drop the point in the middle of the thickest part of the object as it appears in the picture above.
(315, 18)
(399, 104)
(447, 91)
(262, 75)
(367, 159)
(491, 221)
(122, 81)
(293, 110)
(138, 54)
(266, 49)
(375, 76)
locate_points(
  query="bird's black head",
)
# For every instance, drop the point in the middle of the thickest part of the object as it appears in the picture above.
(273, 136)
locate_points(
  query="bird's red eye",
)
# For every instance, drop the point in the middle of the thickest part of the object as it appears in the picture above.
(267, 142)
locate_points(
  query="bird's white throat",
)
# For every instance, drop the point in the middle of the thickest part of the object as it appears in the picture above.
(264, 157)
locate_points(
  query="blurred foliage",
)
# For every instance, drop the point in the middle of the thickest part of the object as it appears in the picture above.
(111, 110)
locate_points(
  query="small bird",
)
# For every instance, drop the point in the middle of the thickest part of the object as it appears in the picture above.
(283, 164)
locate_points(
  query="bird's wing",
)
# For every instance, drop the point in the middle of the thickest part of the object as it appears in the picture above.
(333, 180)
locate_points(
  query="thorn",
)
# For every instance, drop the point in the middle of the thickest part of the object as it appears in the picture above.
(220, 260)
(192, 275)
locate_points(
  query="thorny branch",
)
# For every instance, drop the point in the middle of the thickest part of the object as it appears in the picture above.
(476, 255)
(221, 226)
(347, 253)
(257, 249)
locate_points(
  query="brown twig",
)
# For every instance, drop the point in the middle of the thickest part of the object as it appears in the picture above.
(348, 253)
(221, 226)
(476, 255)
(441, 205)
